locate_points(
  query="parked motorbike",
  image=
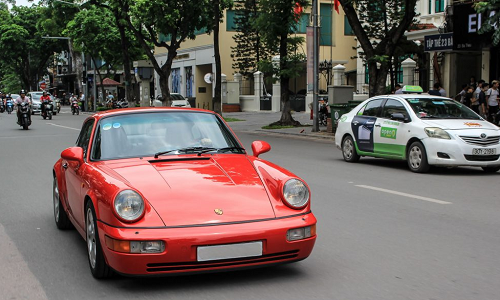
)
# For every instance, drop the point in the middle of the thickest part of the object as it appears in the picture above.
(25, 115)
(121, 104)
(48, 110)
(323, 112)
(10, 106)
(75, 109)
(2, 106)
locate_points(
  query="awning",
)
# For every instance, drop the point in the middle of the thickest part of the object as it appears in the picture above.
(108, 82)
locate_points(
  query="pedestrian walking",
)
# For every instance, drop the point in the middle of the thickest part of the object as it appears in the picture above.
(442, 91)
(481, 99)
(435, 90)
(460, 96)
(492, 96)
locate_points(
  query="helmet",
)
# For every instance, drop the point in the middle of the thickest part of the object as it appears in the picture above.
(22, 92)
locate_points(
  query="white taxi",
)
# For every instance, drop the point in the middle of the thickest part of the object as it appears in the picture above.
(422, 129)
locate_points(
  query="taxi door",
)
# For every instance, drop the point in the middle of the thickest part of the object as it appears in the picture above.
(390, 136)
(362, 125)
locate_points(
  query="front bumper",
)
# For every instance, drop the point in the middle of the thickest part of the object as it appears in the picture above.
(180, 255)
(459, 153)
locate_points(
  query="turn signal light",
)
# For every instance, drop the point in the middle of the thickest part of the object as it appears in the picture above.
(135, 246)
(301, 233)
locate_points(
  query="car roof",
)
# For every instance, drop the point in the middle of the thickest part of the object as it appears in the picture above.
(134, 110)
(411, 96)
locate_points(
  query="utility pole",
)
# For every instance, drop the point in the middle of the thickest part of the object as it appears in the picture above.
(315, 67)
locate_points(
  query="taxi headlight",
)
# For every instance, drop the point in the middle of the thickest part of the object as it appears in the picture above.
(296, 193)
(129, 205)
(436, 132)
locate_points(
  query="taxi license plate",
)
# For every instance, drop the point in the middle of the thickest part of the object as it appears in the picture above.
(481, 151)
(218, 252)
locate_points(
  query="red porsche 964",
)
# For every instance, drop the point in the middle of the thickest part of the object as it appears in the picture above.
(158, 191)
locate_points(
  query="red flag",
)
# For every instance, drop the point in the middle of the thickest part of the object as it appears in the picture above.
(337, 4)
(297, 10)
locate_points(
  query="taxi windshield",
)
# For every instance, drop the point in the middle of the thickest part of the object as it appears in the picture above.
(438, 108)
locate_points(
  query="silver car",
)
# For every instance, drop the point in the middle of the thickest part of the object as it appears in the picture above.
(36, 105)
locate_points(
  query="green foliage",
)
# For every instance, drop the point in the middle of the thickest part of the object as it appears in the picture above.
(22, 47)
(491, 23)
(249, 47)
(276, 22)
(93, 31)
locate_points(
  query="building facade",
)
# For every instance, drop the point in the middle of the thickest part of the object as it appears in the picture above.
(194, 64)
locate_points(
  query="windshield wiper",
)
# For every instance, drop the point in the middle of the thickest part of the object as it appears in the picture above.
(187, 149)
(221, 149)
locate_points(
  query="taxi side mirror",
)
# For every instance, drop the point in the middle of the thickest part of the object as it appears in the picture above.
(399, 117)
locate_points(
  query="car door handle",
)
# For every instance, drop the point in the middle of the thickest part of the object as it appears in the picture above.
(65, 165)
(377, 125)
(355, 122)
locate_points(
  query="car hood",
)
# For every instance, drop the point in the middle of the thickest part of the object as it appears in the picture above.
(461, 124)
(201, 190)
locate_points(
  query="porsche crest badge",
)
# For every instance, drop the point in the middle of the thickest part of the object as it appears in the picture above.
(218, 211)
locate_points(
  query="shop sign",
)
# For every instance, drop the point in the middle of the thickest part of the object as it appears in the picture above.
(439, 42)
(466, 25)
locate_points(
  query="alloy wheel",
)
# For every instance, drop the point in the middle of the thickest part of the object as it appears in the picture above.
(91, 238)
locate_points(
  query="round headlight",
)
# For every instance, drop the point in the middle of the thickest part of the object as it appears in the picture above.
(296, 193)
(129, 205)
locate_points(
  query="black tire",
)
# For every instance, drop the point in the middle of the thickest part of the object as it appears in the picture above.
(77, 112)
(44, 117)
(417, 158)
(50, 117)
(25, 123)
(491, 169)
(349, 150)
(60, 216)
(97, 263)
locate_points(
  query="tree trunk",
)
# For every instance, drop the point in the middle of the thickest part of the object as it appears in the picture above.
(103, 91)
(286, 115)
(217, 100)
(127, 66)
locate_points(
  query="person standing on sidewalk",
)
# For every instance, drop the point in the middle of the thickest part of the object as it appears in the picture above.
(492, 98)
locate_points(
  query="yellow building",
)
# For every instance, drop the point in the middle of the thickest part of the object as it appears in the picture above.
(195, 58)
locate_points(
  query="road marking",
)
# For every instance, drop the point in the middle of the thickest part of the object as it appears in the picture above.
(63, 126)
(404, 194)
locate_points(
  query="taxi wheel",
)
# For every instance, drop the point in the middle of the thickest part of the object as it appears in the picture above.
(417, 158)
(349, 150)
(491, 169)
(97, 262)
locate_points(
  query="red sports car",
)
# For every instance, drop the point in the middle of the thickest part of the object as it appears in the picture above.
(157, 191)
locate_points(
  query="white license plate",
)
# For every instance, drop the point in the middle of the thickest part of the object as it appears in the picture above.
(481, 151)
(207, 253)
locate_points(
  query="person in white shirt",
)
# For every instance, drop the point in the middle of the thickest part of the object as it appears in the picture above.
(492, 100)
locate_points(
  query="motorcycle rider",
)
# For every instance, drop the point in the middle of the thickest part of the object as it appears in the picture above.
(73, 100)
(43, 100)
(20, 100)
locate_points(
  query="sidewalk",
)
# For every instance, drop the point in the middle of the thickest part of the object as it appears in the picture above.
(253, 122)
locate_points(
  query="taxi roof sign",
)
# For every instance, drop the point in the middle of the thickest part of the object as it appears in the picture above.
(410, 89)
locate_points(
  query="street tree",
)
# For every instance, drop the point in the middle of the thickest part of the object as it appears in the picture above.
(249, 49)
(22, 46)
(379, 26)
(164, 24)
(492, 22)
(94, 32)
(218, 8)
(277, 23)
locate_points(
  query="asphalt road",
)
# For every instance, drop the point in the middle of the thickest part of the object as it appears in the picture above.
(383, 232)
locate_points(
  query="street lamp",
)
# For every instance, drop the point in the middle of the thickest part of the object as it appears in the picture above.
(325, 68)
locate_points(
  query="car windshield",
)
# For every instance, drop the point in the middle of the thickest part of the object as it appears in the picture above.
(161, 133)
(438, 108)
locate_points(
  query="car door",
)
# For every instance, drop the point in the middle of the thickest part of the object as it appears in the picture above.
(73, 175)
(363, 123)
(390, 136)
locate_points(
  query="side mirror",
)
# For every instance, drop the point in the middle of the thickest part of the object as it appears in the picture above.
(399, 117)
(73, 154)
(259, 147)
